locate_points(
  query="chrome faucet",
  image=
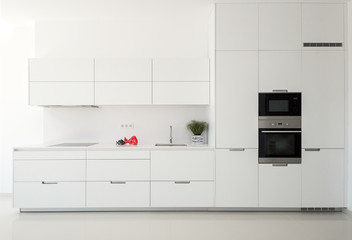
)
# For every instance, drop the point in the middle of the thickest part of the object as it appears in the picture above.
(171, 134)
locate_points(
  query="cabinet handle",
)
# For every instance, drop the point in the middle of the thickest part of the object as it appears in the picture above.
(236, 149)
(280, 165)
(117, 182)
(312, 149)
(182, 182)
(46, 182)
(280, 90)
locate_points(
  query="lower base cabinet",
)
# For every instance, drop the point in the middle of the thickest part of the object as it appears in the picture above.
(236, 178)
(280, 186)
(182, 194)
(49, 194)
(118, 194)
(323, 178)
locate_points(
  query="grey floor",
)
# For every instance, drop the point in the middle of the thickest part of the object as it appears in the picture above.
(171, 225)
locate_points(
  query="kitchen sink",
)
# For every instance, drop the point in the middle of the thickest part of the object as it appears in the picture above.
(170, 144)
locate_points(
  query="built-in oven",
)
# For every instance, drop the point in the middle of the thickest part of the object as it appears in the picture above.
(280, 140)
(280, 104)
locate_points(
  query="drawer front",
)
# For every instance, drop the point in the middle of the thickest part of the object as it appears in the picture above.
(182, 165)
(110, 170)
(118, 194)
(46, 155)
(54, 170)
(60, 195)
(182, 194)
(118, 155)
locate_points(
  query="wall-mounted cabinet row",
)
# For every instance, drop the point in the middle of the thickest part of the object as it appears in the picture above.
(275, 26)
(118, 81)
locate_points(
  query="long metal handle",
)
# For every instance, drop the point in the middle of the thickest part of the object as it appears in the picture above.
(280, 165)
(47, 182)
(182, 182)
(117, 182)
(170, 133)
(281, 131)
(280, 90)
(312, 149)
(236, 149)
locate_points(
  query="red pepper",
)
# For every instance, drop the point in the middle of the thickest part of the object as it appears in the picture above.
(133, 140)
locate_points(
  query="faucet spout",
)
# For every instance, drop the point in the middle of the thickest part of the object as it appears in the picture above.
(170, 133)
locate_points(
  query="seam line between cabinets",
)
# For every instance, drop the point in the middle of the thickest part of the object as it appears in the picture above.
(152, 80)
(150, 178)
(86, 180)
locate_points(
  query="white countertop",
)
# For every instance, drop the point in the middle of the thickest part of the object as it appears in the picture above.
(112, 146)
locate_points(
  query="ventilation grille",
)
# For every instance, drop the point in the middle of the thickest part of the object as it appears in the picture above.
(322, 44)
(320, 209)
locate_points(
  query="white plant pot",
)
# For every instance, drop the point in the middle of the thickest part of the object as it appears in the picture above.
(197, 139)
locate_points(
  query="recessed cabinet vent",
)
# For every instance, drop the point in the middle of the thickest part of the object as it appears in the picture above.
(322, 44)
(320, 209)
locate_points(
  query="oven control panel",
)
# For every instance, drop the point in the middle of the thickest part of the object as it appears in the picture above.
(279, 122)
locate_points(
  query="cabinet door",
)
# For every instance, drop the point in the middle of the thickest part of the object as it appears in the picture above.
(237, 99)
(61, 70)
(125, 70)
(280, 70)
(181, 70)
(322, 23)
(61, 93)
(236, 178)
(323, 118)
(280, 186)
(323, 178)
(123, 93)
(236, 26)
(279, 26)
(181, 93)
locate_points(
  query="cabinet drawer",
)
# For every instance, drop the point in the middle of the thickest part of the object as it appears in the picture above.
(39, 195)
(119, 194)
(118, 155)
(110, 170)
(53, 170)
(37, 155)
(182, 194)
(182, 165)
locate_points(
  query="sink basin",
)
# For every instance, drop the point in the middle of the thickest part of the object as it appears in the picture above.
(170, 144)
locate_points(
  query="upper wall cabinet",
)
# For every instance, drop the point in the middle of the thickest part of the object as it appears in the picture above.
(279, 26)
(322, 23)
(116, 80)
(236, 26)
(61, 81)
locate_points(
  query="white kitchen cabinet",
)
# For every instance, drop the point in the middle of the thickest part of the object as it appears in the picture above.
(237, 99)
(181, 70)
(323, 178)
(280, 26)
(118, 194)
(237, 26)
(125, 70)
(111, 170)
(114, 154)
(280, 70)
(61, 93)
(182, 194)
(236, 178)
(322, 23)
(181, 93)
(182, 165)
(280, 186)
(123, 93)
(323, 99)
(49, 155)
(49, 195)
(52, 170)
(61, 70)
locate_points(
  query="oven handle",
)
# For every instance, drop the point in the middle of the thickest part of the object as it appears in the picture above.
(281, 131)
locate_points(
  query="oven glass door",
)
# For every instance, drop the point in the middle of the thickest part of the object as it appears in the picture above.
(279, 143)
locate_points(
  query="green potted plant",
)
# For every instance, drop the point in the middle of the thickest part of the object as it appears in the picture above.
(197, 128)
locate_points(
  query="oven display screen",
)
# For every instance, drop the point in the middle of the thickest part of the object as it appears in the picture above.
(278, 106)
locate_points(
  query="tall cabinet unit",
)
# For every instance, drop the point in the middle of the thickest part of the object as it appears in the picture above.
(236, 105)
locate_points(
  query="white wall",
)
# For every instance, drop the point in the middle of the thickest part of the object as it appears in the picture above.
(349, 142)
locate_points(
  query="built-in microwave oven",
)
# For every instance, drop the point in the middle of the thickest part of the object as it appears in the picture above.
(280, 104)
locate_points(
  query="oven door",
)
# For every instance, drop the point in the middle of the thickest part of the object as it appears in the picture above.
(278, 146)
(279, 104)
